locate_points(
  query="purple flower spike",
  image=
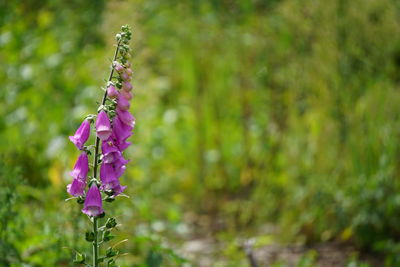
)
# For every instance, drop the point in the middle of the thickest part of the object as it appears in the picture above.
(76, 188)
(123, 103)
(103, 126)
(81, 135)
(111, 91)
(127, 86)
(81, 167)
(93, 203)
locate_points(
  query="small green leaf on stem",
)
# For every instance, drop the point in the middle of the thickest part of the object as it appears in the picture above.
(107, 236)
(79, 258)
(89, 236)
(111, 252)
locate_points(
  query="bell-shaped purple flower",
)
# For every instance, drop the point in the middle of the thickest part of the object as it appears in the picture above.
(110, 150)
(103, 126)
(123, 145)
(77, 187)
(121, 130)
(112, 91)
(118, 189)
(81, 135)
(120, 165)
(123, 103)
(107, 173)
(126, 117)
(81, 167)
(93, 203)
(109, 179)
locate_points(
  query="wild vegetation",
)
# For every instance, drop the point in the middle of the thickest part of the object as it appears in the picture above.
(276, 121)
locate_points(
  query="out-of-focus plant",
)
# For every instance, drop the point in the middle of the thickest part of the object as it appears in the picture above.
(10, 223)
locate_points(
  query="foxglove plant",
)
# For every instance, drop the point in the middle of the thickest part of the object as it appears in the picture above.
(113, 126)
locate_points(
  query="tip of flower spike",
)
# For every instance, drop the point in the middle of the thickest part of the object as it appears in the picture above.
(126, 29)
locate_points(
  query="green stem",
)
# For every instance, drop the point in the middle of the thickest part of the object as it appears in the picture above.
(97, 143)
(95, 166)
(95, 244)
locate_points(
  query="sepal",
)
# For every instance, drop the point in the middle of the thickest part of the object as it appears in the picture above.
(80, 199)
(111, 223)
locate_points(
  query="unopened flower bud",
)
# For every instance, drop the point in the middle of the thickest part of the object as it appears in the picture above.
(93, 204)
(128, 71)
(127, 86)
(112, 91)
(123, 103)
(126, 94)
(125, 76)
(103, 126)
(117, 66)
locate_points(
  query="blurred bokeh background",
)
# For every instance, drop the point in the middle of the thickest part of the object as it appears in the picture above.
(272, 121)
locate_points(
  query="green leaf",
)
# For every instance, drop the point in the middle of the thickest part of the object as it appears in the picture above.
(107, 236)
(89, 236)
(111, 252)
(111, 263)
(79, 258)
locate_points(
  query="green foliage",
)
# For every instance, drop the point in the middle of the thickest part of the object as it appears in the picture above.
(9, 221)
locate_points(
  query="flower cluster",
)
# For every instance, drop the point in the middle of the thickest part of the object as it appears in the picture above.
(114, 125)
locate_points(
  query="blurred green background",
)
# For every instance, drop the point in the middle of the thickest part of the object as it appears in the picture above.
(273, 120)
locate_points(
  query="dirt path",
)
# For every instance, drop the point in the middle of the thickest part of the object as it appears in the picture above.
(203, 251)
(324, 255)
